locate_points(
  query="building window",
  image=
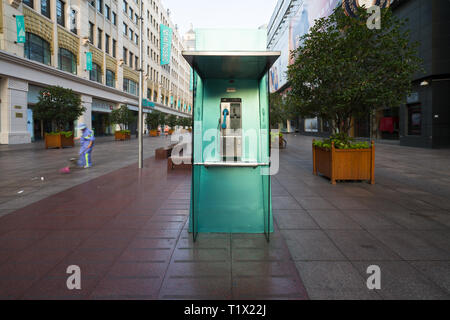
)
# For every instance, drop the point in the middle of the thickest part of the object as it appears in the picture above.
(60, 12)
(136, 62)
(29, 3)
(131, 35)
(99, 38)
(73, 21)
(37, 49)
(114, 45)
(136, 39)
(114, 18)
(136, 18)
(100, 6)
(91, 32)
(45, 8)
(107, 12)
(131, 60)
(125, 29)
(125, 55)
(107, 43)
(125, 6)
(92, 3)
(414, 120)
(67, 61)
(110, 78)
(95, 74)
(131, 14)
(129, 86)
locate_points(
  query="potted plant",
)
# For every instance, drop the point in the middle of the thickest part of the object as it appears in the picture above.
(344, 71)
(62, 107)
(121, 117)
(172, 123)
(162, 122)
(152, 122)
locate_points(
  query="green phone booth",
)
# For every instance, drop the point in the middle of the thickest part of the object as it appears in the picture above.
(231, 187)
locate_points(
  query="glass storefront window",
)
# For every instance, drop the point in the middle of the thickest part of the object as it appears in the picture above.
(37, 49)
(415, 120)
(67, 61)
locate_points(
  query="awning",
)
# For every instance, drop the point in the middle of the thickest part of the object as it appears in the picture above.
(231, 64)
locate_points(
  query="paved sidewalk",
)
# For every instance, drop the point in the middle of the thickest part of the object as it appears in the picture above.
(128, 233)
(23, 167)
(401, 224)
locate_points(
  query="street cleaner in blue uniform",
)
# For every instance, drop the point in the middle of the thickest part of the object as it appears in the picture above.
(87, 144)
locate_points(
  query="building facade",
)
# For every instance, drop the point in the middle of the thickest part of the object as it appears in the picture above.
(424, 121)
(63, 37)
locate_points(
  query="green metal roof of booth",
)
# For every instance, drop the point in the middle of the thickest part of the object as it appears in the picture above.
(231, 64)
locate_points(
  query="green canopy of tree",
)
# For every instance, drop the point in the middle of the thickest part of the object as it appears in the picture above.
(280, 110)
(345, 70)
(121, 116)
(153, 120)
(60, 105)
(172, 121)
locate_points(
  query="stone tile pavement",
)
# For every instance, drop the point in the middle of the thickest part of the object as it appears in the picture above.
(128, 233)
(400, 224)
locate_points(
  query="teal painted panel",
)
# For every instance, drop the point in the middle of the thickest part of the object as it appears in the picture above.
(236, 200)
(231, 200)
(230, 40)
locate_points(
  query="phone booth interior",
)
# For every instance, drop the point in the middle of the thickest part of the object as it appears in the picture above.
(230, 191)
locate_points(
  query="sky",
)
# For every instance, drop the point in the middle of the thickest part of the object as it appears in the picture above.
(219, 13)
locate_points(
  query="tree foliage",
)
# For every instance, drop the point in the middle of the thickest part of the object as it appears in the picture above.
(344, 70)
(122, 116)
(153, 120)
(60, 105)
(172, 121)
(280, 110)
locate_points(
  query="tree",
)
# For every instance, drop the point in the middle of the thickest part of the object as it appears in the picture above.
(152, 120)
(60, 105)
(280, 110)
(122, 116)
(345, 70)
(162, 120)
(172, 121)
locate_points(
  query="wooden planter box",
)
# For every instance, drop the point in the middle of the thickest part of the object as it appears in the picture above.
(122, 136)
(171, 131)
(345, 164)
(58, 141)
(153, 133)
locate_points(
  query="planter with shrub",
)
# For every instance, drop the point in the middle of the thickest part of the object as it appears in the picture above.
(122, 117)
(61, 107)
(340, 158)
(59, 140)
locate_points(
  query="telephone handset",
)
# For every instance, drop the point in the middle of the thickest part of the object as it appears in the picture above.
(224, 122)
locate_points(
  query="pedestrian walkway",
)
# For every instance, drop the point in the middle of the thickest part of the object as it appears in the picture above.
(30, 172)
(127, 230)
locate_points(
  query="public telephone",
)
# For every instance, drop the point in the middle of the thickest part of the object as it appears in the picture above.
(231, 129)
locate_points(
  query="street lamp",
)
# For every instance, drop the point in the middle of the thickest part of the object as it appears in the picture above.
(141, 89)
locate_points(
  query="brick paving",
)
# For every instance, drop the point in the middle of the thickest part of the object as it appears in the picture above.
(127, 230)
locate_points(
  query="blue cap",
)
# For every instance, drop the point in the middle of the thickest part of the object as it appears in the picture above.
(82, 126)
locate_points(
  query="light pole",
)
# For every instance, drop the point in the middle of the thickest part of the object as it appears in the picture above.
(141, 87)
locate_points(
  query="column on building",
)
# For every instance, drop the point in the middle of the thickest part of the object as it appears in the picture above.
(86, 117)
(13, 111)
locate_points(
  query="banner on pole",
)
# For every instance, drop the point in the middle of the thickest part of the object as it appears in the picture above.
(166, 44)
(88, 61)
(20, 24)
(191, 80)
